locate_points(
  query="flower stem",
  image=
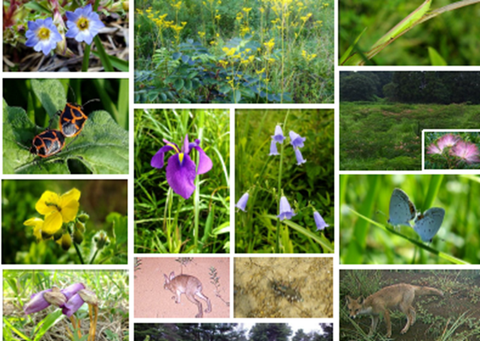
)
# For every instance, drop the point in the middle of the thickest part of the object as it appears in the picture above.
(94, 256)
(79, 253)
(277, 243)
(168, 214)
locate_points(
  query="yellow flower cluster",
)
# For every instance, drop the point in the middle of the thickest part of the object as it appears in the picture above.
(308, 57)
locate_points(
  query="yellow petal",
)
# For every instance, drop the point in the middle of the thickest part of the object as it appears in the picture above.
(37, 224)
(69, 204)
(53, 223)
(47, 203)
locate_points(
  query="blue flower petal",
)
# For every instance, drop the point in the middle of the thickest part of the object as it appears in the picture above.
(273, 148)
(158, 158)
(321, 224)
(296, 140)
(286, 211)
(278, 137)
(242, 203)
(299, 156)
(181, 175)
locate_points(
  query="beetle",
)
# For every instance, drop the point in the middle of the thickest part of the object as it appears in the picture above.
(73, 118)
(47, 143)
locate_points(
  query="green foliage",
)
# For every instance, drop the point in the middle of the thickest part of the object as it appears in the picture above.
(183, 52)
(110, 287)
(101, 147)
(311, 183)
(369, 195)
(388, 137)
(449, 36)
(164, 221)
(101, 199)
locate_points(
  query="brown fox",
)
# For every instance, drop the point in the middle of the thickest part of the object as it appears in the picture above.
(398, 296)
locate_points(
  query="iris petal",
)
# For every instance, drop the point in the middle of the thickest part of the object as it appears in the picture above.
(180, 176)
(158, 158)
(204, 162)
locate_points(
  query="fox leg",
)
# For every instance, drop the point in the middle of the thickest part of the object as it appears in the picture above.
(414, 315)
(386, 315)
(373, 327)
(205, 298)
(192, 299)
(410, 312)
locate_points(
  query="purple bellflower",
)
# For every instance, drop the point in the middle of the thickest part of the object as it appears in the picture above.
(83, 24)
(74, 303)
(273, 148)
(242, 203)
(296, 140)
(321, 224)
(39, 302)
(181, 170)
(299, 156)
(278, 137)
(42, 35)
(286, 211)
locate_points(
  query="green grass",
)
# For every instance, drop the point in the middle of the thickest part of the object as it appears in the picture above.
(448, 36)
(229, 51)
(164, 221)
(110, 287)
(267, 177)
(366, 238)
(388, 136)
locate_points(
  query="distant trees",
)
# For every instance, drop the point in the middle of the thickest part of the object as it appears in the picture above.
(411, 86)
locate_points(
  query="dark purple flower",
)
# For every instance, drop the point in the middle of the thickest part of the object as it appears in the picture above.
(83, 24)
(73, 304)
(273, 148)
(181, 170)
(242, 203)
(321, 224)
(278, 137)
(37, 302)
(286, 211)
(299, 156)
(296, 140)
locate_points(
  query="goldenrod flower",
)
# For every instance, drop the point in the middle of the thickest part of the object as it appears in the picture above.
(58, 209)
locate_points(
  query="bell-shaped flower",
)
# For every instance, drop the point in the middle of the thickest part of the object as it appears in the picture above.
(83, 24)
(72, 290)
(58, 209)
(278, 137)
(37, 302)
(273, 148)
(77, 300)
(299, 156)
(242, 203)
(42, 35)
(321, 224)
(296, 140)
(181, 170)
(286, 211)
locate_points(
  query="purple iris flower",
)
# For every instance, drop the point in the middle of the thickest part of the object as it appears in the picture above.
(278, 137)
(273, 148)
(286, 211)
(299, 156)
(242, 203)
(296, 140)
(181, 170)
(42, 35)
(321, 224)
(83, 24)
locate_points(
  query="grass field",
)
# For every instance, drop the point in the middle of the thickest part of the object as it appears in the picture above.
(388, 136)
(252, 51)
(367, 238)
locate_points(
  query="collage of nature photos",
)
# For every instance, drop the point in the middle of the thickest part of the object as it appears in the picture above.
(94, 305)
(379, 223)
(417, 32)
(65, 126)
(229, 51)
(284, 181)
(451, 149)
(65, 36)
(64, 222)
(182, 181)
(443, 304)
(383, 114)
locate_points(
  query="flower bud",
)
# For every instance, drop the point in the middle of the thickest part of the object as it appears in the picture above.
(101, 239)
(88, 296)
(46, 235)
(66, 241)
(78, 237)
(83, 217)
(58, 235)
(80, 226)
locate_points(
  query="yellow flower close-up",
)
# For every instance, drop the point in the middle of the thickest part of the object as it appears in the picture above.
(58, 209)
(37, 224)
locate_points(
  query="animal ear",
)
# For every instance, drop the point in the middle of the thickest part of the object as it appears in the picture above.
(360, 300)
(349, 299)
(166, 278)
(172, 275)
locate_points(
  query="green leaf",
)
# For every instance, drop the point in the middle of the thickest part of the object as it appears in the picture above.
(178, 84)
(104, 57)
(119, 64)
(435, 58)
(120, 226)
(51, 94)
(101, 147)
(7, 324)
(48, 322)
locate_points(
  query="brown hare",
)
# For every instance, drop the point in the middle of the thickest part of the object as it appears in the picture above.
(190, 286)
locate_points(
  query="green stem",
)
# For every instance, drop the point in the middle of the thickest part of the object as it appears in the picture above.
(168, 211)
(277, 244)
(78, 253)
(178, 241)
(94, 256)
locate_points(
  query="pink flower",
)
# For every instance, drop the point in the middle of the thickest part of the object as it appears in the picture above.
(466, 151)
(448, 140)
(433, 149)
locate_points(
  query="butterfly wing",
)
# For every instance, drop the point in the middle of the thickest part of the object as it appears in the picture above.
(401, 208)
(428, 224)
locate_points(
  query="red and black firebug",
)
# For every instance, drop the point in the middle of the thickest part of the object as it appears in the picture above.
(73, 118)
(47, 143)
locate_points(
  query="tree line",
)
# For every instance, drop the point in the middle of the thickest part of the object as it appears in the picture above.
(227, 332)
(441, 87)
